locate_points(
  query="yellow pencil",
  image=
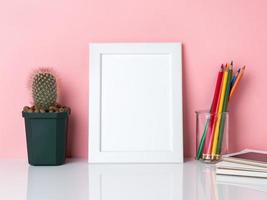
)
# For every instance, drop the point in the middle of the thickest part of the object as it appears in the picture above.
(239, 77)
(218, 121)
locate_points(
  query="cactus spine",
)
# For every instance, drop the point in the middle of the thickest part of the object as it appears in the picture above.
(44, 89)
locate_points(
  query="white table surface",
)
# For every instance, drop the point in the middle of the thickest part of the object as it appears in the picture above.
(78, 180)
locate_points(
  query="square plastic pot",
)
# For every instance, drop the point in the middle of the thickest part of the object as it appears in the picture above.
(46, 135)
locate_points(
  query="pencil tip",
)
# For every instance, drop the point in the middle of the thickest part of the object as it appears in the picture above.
(232, 63)
(244, 67)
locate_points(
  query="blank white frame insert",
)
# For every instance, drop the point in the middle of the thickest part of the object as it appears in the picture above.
(135, 103)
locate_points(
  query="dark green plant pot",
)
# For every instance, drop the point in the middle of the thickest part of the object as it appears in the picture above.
(46, 135)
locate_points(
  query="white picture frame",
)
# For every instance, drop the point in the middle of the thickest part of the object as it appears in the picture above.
(135, 103)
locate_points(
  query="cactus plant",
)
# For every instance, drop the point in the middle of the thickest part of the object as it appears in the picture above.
(44, 89)
(46, 121)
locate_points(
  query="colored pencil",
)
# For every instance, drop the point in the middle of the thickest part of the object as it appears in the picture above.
(225, 104)
(217, 90)
(210, 145)
(208, 142)
(240, 75)
(211, 128)
(215, 133)
(213, 110)
(202, 141)
(234, 77)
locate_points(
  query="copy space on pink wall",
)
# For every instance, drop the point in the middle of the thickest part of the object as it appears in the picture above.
(56, 33)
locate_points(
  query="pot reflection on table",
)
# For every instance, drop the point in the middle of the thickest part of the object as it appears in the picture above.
(66, 182)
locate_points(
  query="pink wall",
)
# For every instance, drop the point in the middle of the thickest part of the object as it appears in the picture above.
(57, 32)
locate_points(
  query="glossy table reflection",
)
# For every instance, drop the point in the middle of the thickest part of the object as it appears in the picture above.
(77, 180)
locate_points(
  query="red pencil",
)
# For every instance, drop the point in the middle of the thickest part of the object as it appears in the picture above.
(217, 90)
(213, 108)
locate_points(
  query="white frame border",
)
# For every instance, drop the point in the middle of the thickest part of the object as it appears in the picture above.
(96, 49)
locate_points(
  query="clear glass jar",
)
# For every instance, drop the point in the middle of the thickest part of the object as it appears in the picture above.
(212, 135)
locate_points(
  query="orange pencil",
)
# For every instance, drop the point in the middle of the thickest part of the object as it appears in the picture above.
(240, 75)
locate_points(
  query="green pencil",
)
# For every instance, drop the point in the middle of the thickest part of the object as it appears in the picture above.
(202, 141)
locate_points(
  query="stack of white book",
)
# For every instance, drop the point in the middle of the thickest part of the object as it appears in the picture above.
(247, 168)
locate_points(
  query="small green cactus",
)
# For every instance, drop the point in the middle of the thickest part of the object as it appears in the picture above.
(44, 89)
